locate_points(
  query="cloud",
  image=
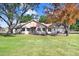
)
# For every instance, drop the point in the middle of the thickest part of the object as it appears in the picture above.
(30, 12)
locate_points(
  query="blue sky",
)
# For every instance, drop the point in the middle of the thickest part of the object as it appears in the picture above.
(39, 10)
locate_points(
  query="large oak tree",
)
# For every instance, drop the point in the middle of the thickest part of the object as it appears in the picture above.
(12, 13)
(63, 13)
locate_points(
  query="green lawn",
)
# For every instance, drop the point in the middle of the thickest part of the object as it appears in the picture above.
(39, 45)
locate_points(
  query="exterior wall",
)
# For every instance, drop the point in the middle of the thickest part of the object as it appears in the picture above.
(28, 25)
(42, 29)
(56, 29)
(26, 32)
(14, 31)
(37, 25)
(61, 29)
(48, 32)
(23, 32)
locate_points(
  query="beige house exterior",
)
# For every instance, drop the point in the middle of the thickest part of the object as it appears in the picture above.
(35, 27)
(29, 27)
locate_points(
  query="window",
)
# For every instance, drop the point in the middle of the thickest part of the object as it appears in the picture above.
(49, 29)
(23, 29)
(38, 29)
(43, 29)
(28, 29)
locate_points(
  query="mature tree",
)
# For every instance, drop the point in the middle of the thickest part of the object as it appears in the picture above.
(26, 18)
(53, 13)
(64, 13)
(42, 19)
(70, 13)
(10, 12)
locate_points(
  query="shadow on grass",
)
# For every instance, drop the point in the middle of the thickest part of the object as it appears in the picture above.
(7, 35)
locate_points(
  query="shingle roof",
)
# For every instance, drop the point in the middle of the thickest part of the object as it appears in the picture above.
(32, 24)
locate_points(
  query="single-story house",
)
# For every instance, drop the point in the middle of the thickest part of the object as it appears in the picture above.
(57, 27)
(35, 27)
(31, 27)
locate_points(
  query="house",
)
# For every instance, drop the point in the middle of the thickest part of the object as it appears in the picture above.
(2, 30)
(31, 27)
(35, 27)
(48, 30)
(55, 28)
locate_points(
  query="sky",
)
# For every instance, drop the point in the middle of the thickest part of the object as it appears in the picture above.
(39, 11)
(40, 8)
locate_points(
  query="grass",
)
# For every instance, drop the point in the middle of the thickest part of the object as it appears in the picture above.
(32, 45)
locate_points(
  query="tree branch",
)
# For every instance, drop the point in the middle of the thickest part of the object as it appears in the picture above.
(5, 11)
(25, 9)
(15, 24)
(4, 20)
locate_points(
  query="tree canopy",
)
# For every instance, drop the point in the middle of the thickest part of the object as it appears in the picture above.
(14, 12)
(67, 13)
(26, 18)
(42, 19)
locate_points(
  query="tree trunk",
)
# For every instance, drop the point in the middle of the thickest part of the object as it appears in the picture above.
(10, 30)
(46, 31)
(66, 30)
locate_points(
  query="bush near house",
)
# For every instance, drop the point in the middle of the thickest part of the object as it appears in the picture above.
(75, 26)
